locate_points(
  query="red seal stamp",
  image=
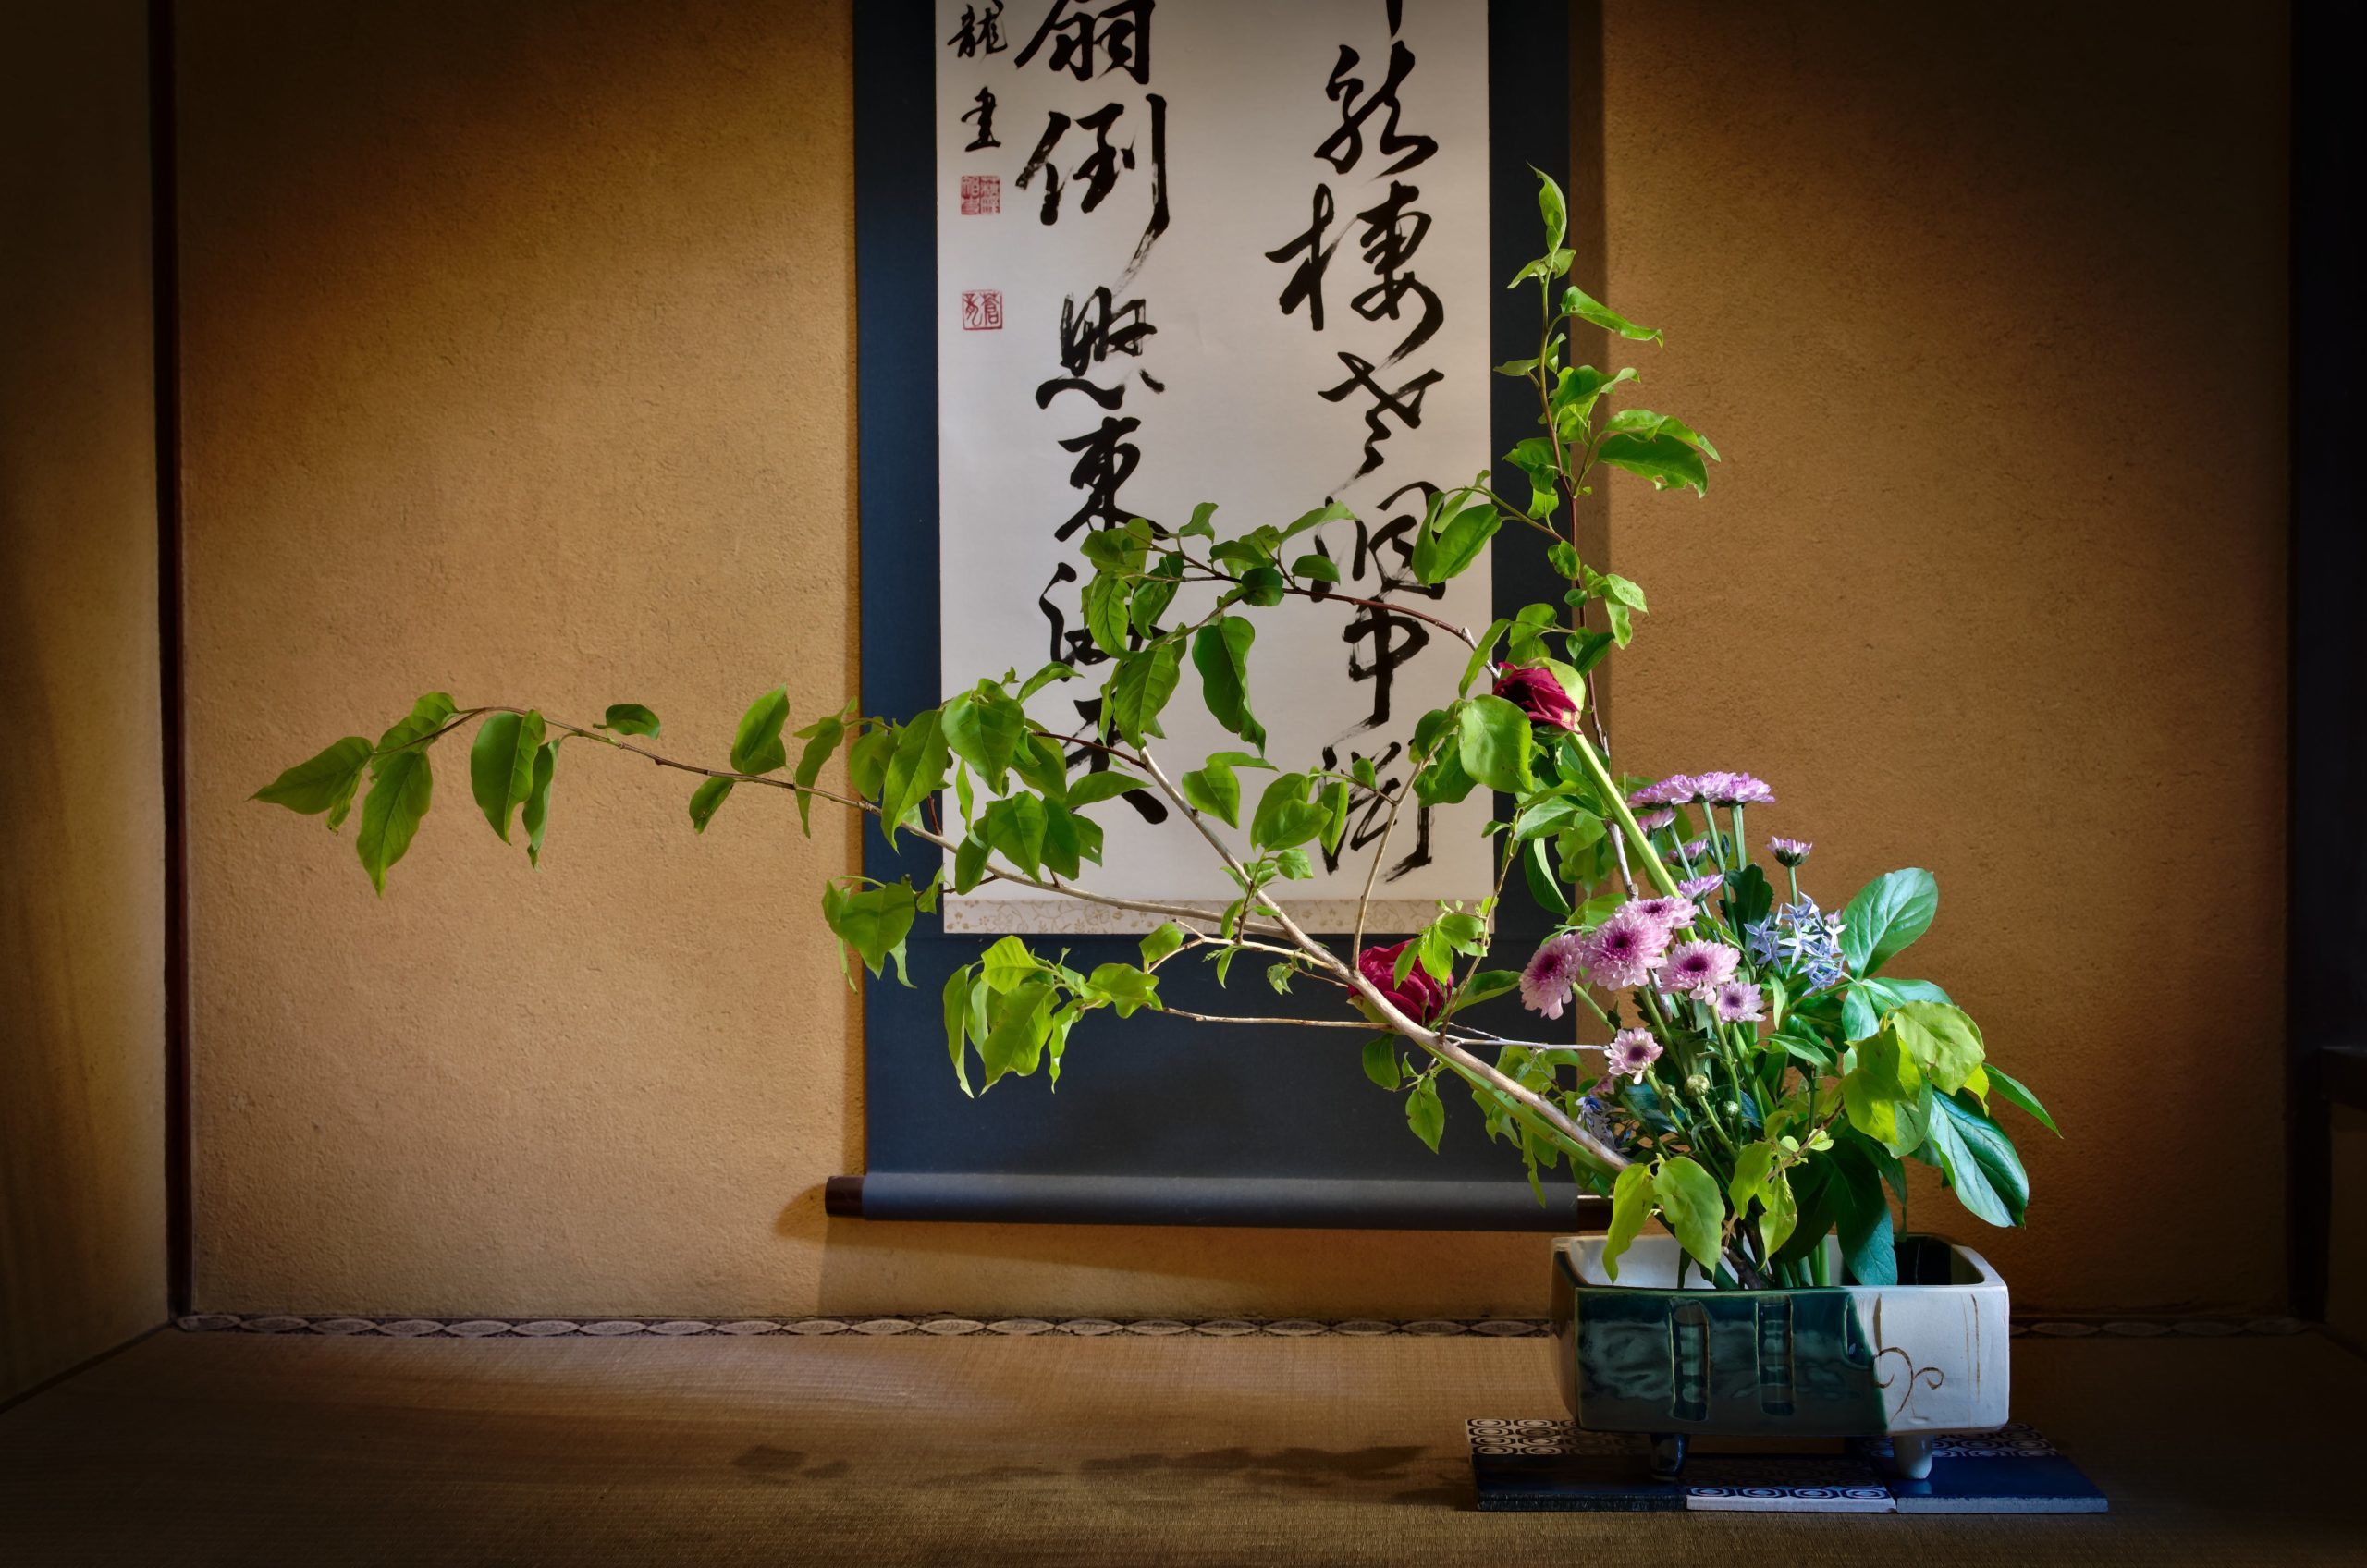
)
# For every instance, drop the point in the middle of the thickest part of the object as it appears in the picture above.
(981, 195)
(981, 310)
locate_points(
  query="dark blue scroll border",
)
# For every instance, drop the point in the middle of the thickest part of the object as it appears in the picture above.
(1154, 1121)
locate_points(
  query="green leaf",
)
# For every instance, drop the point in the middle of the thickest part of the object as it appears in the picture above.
(1015, 827)
(1942, 1041)
(502, 766)
(1457, 543)
(822, 737)
(985, 728)
(1486, 986)
(1979, 1161)
(1631, 1205)
(757, 748)
(1125, 987)
(1022, 1024)
(1108, 784)
(1756, 1179)
(1883, 1094)
(1053, 672)
(705, 798)
(2011, 1091)
(970, 863)
(1215, 790)
(915, 773)
(1139, 687)
(1425, 1113)
(1167, 939)
(1333, 802)
(1380, 1061)
(1643, 422)
(1868, 1252)
(1330, 511)
(873, 922)
(401, 787)
(956, 1003)
(1576, 302)
(1007, 963)
(414, 731)
(1663, 460)
(1201, 523)
(629, 718)
(1320, 568)
(1553, 208)
(1284, 816)
(1220, 653)
(1494, 743)
(537, 815)
(1888, 914)
(1108, 606)
(1690, 1203)
(324, 782)
(867, 758)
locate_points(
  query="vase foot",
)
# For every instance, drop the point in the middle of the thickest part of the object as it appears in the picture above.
(1910, 1456)
(1668, 1455)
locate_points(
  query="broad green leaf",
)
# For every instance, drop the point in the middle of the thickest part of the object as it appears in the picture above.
(1064, 843)
(2013, 1093)
(1457, 543)
(322, 783)
(401, 787)
(985, 728)
(1108, 784)
(1108, 606)
(1643, 422)
(1284, 816)
(1200, 525)
(629, 719)
(536, 817)
(1663, 460)
(1161, 943)
(970, 863)
(1494, 743)
(1330, 511)
(956, 1003)
(502, 766)
(1631, 1205)
(1008, 963)
(1425, 1113)
(1553, 208)
(868, 759)
(1690, 1203)
(1942, 1040)
(1056, 670)
(1868, 1252)
(1015, 827)
(413, 730)
(1139, 688)
(757, 748)
(1316, 569)
(1888, 914)
(705, 798)
(1576, 302)
(1380, 1061)
(1042, 763)
(1125, 986)
(1220, 653)
(1022, 1024)
(1979, 1161)
(822, 737)
(873, 922)
(915, 773)
(1883, 1093)
(1333, 802)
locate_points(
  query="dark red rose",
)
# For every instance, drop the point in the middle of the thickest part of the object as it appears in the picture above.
(1537, 693)
(1421, 997)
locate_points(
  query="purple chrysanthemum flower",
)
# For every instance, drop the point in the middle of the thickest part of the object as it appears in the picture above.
(1624, 950)
(1631, 1051)
(1789, 852)
(1698, 969)
(1697, 848)
(1701, 887)
(1552, 972)
(1673, 915)
(1735, 789)
(1738, 1001)
(1711, 787)
(1675, 790)
(1653, 821)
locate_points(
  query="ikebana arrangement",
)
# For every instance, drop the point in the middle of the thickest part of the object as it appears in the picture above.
(1753, 1073)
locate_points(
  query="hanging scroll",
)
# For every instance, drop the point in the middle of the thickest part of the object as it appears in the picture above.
(1217, 251)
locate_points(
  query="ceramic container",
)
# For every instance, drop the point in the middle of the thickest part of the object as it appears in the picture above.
(1908, 1361)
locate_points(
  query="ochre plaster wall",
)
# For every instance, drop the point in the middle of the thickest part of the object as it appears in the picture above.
(520, 353)
(82, 808)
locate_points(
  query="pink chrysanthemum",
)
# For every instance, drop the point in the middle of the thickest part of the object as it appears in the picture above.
(1698, 969)
(1696, 849)
(1735, 789)
(1673, 915)
(1630, 1053)
(1673, 791)
(1624, 951)
(1789, 852)
(1553, 971)
(1701, 887)
(1738, 1002)
(1653, 821)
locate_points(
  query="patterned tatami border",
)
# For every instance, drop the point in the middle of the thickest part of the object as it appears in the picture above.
(1087, 1328)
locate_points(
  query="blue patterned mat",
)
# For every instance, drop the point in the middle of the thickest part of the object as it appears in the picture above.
(1552, 1466)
